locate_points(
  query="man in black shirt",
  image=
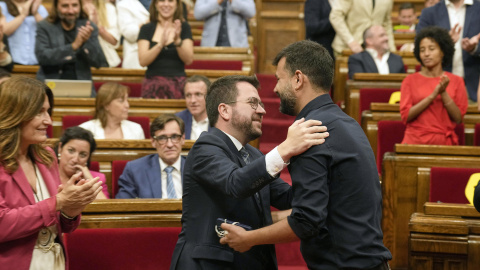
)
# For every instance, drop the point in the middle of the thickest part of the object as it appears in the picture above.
(67, 44)
(337, 199)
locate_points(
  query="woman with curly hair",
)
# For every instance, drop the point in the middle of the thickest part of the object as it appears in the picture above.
(433, 101)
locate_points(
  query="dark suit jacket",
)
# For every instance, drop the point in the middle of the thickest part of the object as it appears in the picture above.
(317, 24)
(438, 15)
(363, 62)
(141, 178)
(52, 52)
(218, 184)
(187, 119)
(476, 197)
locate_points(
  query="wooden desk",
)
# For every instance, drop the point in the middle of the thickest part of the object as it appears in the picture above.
(132, 213)
(445, 236)
(130, 75)
(406, 185)
(385, 111)
(138, 107)
(368, 80)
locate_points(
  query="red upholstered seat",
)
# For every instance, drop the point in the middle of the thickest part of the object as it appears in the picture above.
(388, 134)
(75, 120)
(447, 185)
(460, 131)
(50, 132)
(476, 139)
(94, 166)
(135, 88)
(121, 248)
(117, 170)
(216, 64)
(369, 95)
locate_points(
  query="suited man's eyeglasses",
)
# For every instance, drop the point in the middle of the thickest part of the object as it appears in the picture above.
(253, 101)
(175, 138)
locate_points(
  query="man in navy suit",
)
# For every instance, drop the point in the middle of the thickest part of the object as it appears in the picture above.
(461, 18)
(157, 175)
(226, 178)
(195, 116)
(376, 58)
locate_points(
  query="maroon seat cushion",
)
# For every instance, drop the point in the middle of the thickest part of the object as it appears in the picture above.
(369, 95)
(117, 170)
(476, 139)
(135, 88)
(121, 248)
(388, 134)
(94, 166)
(447, 185)
(143, 121)
(216, 64)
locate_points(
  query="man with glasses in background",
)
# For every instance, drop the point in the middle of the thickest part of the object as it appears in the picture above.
(157, 175)
(195, 116)
(225, 178)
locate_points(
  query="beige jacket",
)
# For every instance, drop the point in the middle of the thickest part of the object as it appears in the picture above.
(350, 18)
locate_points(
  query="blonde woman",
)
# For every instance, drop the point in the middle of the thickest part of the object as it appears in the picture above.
(104, 15)
(111, 113)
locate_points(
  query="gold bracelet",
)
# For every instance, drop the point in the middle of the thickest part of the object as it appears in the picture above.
(66, 216)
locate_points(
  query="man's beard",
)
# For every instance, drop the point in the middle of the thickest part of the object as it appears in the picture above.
(287, 101)
(245, 125)
(66, 21)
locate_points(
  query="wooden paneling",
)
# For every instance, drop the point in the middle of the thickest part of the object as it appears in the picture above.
(279, 24)
(405, 187)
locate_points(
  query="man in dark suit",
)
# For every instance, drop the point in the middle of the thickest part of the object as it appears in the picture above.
(157, 175)
(66, 44)
(337, 199)
(376, 58)
(466, 58)
(227, 178)
(317, 24)
(195, 116)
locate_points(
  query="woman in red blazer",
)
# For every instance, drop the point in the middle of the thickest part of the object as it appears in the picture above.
(33, 215)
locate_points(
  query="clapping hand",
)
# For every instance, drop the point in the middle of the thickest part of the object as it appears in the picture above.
(469, 44)
(455, 32)
(442, 85)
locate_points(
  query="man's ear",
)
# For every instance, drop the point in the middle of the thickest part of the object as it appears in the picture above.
(154, 143)
(224, 111)
(299, 79)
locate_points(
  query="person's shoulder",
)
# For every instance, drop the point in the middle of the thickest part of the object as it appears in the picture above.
(131, 123)
(453, 77)
(141, 162)
(183, 114)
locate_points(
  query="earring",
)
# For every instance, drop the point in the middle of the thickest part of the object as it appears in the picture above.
(58, 156)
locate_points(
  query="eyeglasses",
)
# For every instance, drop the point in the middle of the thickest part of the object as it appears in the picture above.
(253, 101)
(197, 95)
(175, 138)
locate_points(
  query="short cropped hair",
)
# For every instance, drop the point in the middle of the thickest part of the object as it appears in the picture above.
(160, 122)
(77, 133)
(198, 78)
(406, 6)
(225, 90)
(441, 37)
(312, 59)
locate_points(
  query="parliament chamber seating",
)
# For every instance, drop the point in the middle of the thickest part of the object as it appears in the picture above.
(117, 170)
(476, 139)
(135, 88)
(75, 120)
(121, 248)
(447, 185)
(215, 64)
(369, 95)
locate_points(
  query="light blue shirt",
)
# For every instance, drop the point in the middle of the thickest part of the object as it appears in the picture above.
(22, 41)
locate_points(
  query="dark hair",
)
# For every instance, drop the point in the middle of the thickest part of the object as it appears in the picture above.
(312, 59)
(441, 37)
(4, 73)
(53, 16)
(407, 5)
(225, 90)
(154, 12)
(366, 34)
(198, 78)
(77, 133)
(160, 122)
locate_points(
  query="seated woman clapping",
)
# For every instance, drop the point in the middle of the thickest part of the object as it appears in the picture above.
(433, 101)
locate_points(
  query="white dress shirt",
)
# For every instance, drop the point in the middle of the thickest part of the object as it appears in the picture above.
(457, 16)
(273, 160)
(176, 177)
(198, 128)
(381, 64)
